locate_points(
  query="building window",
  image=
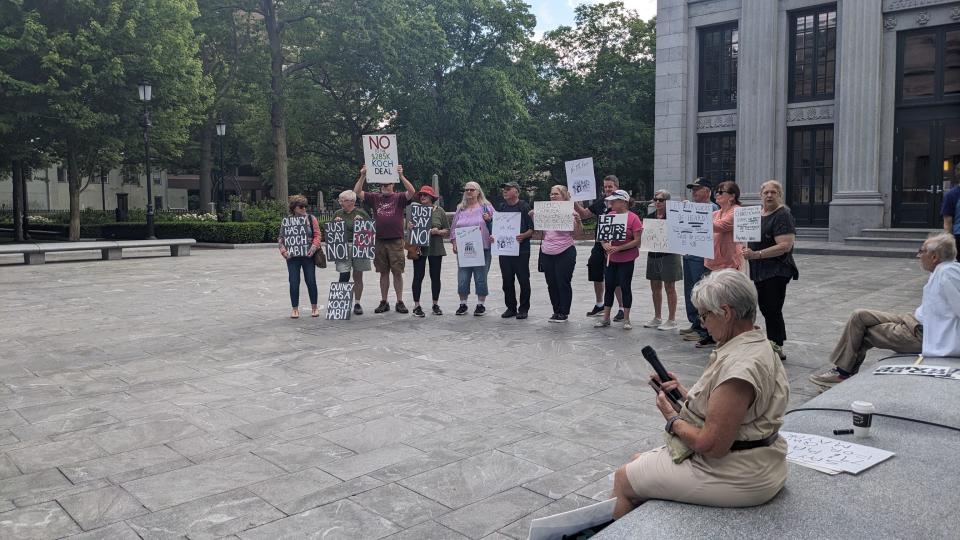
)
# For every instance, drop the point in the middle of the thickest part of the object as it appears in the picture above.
(717, 77)
(810, 173)
(928, 66)
(61, 174)
(813, 53)
(717, 156)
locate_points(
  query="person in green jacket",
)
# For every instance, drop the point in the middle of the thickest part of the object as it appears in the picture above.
(433, 254)
(349, 213)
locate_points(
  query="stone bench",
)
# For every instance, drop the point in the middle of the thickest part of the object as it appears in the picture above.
(35, 253)
(914, 494)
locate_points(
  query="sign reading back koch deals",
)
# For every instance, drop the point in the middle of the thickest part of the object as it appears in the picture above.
(364, 239)
(380, 157)
(297, 235)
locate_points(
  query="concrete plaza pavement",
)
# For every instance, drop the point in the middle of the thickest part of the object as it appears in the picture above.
(160, 397)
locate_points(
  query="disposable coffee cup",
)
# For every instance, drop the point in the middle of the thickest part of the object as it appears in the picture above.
(862, 418)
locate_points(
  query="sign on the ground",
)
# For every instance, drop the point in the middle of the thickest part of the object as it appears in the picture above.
(611, 227)
(553, 215)
(335, 241)
(690, 228)
(506, 227)
(340, 301)
(746, 224)
(420, 217)
(380, 157)
(581, 181)
(364, 239)
(297, 235)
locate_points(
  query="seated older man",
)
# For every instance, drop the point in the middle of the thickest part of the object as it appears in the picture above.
(933, 329)
(723, 447)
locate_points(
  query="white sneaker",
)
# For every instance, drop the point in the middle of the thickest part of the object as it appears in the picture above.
(668, 326)
(627, 325)
(685, 329)
(653, 323)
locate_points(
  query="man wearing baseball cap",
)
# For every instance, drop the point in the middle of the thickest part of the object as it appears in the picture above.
(516, 267)
(700, 191)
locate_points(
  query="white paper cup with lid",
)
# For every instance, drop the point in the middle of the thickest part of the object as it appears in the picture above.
(863, 412)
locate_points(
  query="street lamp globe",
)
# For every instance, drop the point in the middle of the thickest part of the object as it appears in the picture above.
(221, 128)
(146, 91)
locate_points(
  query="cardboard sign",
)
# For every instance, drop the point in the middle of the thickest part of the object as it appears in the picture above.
(340, 301)
(581, 181)
(364, 239)
(380, 157)
(506, 227)
(297, 235)
(470, 247)
(655, 236)
(831, 454)
(746, 224)
(943, 372)
(421, 218)
(336, 246)
(690, 228)
(553, 215)
(611, 227)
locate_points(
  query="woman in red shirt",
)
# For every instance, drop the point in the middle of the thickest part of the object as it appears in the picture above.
(621, 256)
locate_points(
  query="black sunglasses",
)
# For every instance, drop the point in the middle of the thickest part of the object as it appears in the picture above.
(721, 192)
(658, 199)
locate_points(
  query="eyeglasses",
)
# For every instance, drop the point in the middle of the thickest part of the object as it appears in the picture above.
(656, 199)
(469, 189)
(301, 206)
(721, 192)
(921, 251)
(703, 317)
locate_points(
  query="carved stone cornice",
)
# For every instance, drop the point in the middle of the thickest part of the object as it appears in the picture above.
(813, 113)
(718, 121)
(900, 5)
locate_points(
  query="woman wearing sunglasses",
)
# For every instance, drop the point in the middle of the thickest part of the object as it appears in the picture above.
(473, 210)
(726, 252)
(664, 270)
(295, 265)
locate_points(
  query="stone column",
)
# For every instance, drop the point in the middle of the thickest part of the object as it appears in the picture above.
(671, 97)
(857, 203)
(756, 96)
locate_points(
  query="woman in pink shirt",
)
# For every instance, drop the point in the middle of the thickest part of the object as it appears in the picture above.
(621, 256)
(473, 211)
(558, 257)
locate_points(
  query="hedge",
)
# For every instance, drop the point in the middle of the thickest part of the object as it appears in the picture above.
(201, 231)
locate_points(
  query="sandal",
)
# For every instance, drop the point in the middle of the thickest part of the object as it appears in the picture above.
(315, 312)
(295, 314)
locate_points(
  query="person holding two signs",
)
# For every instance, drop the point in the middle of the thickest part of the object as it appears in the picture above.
(433, 253)
(621, 257)
(349, 214)
(299, 239)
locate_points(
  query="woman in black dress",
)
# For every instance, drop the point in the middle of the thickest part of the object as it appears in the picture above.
(771, 260)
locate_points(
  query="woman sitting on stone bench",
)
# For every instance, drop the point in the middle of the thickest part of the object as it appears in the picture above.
(723, 447)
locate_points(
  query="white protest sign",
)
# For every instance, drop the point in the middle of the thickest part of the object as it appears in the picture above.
(580, 179)
(611, 227)
(826, 453)
(297, 236)
(690, 228)
(568, 523)
(923, 371)
(553, 215)
(746, 224)
(380, 157)
(340, 301)
(655, 236)
(506, 227)
(420, 217)
(470, 247)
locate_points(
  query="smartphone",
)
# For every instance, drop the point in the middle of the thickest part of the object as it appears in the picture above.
(657, 388)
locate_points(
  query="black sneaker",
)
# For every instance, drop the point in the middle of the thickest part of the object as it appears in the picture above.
(437, 310)
(562, 318)
(619, 316)
(418, 312)
(597, 310)
(553, 318)
(357, 310)
(706, 342)
(508, 314)
(462, 310)
(479, 310)
(401, 308)
(522, 315)
(383, 307)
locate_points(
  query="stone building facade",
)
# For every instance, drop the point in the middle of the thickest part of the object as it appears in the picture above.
(854, 105)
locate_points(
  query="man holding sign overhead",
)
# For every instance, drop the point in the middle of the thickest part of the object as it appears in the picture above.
(516, 267)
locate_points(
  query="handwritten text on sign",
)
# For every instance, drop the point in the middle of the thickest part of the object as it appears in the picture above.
(335, 237)
(611, 227)
(746, 224)
(553, 215)
(364, 239)
(506, 227)
(297, 236)
(340, 301)
(690, 228)
(827, 453)
(470, 247)
(420, 217)
(581, 180)
(380, 157)
(655, 236)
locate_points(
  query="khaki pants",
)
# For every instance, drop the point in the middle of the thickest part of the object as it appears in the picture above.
(867, 329)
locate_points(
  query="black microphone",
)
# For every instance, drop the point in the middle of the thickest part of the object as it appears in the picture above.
(651, 356)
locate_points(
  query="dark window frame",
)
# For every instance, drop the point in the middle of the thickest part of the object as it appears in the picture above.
(803, 212)
(938, 96)
(814, 76)
(722, 104)
(728, 172)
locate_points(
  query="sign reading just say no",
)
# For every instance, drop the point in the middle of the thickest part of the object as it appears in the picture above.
(420, 217)
(335, 237)
(380, 157)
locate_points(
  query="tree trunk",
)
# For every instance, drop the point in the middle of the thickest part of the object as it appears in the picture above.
(73, 181)
(277, 120)
(206, 164)
(18, 211)
(25, 195)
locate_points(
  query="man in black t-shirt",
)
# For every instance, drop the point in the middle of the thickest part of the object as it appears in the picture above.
(598, 259)
(516, 267)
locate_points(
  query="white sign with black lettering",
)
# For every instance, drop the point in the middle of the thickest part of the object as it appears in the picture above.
(470, 247)
(943, 372)
(506, 227)
(340, 301)
(553, 215)
(581, 181)
(611, 227)
(746, 224)
(380, 157)
(690, 228)
(297, 235)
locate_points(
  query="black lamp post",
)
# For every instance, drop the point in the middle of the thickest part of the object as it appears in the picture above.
(221, 181)
(146, 93)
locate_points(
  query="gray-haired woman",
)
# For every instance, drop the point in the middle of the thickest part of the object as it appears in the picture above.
(664, 270)
(723, 447)
(349, 214)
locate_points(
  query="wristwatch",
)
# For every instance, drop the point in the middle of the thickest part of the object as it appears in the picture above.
(669, 427)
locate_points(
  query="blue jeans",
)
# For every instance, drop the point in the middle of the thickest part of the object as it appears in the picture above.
(479, 274)
(294, 266)
(692, 273)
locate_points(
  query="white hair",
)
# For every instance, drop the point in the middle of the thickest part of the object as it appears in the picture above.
(347, 195)
(943, 245)
(481, 198)
(665, 193)
(729, 288)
